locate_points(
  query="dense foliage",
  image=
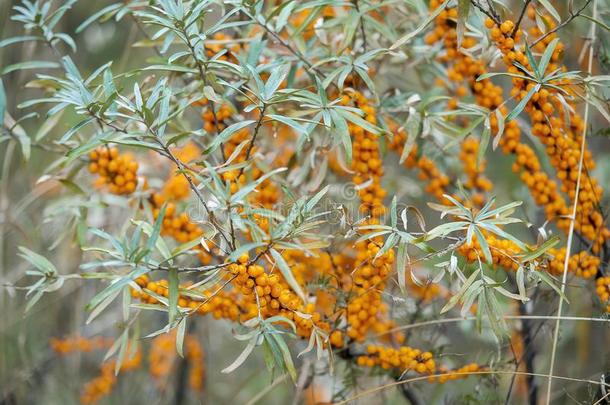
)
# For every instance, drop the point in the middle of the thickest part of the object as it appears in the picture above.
(372, 198)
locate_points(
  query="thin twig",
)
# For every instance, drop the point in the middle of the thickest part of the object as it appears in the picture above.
(310, 67)
(599, 401)
(492, 9)
(488, 13)
(286, 45)
(194, 187)
(361, 24)
(518, 23)
(468, 373)
(267, 390)
(506, 317)
(256, 131)
(564, 23)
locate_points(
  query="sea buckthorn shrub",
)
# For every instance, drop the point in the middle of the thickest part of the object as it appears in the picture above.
(304, 201)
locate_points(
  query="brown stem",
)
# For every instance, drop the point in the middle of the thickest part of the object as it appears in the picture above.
(563, 24)
(253, 140)
(488, 13)
(518, 23)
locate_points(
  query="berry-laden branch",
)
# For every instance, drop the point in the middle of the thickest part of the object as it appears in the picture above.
(271, 260)
(573, 215)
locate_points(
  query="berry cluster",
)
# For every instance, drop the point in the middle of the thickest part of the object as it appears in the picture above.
(474, 169)
(462, 372)
(210, 118)
(548, 124)
(79, 344)
(307, 16)
(561, 131)
(403, 359)
(222, 42)
(116, 171)
(502, 252)
(366, 160)
(462, 67)
(269, 295)
(177, 187)
(178, 226)
(195, 357)
(583, 264)
(103, 384)
(426, 292)
(602, 288)
(505, 254)
(428, 170)
(162, 358)
(220, 305)
(365, 311)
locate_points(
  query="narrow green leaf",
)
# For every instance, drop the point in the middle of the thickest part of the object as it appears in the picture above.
(97, 15)
(514, 113)
(124, 341)
(287, 273)
(463, 11)
(401, 264)
(38, 261)
(243, 356)
(278, 75)
(313, 201)
(103, 305)
(250, 187)
(532, 61)
(88, 146)
(455, 299)
(244, 249)
(596, 21)
(226, 134)
(393, 212)
(484, 245)
(34, 64)
(344, 135)
(408, 37)
(152, 239)
(47, 126)
(546, 56)
(540, 250)
(551, 283)
(290, 122)
(173, 294)
(521, 282)
(2, 101)
(413, 128)
(180, 334)
(485, 136)
(118, 284)
(32, 301)
(286, 357)
(171, 68)
(498, 136)
(66, 137)
(549, 7)
(16, 40)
